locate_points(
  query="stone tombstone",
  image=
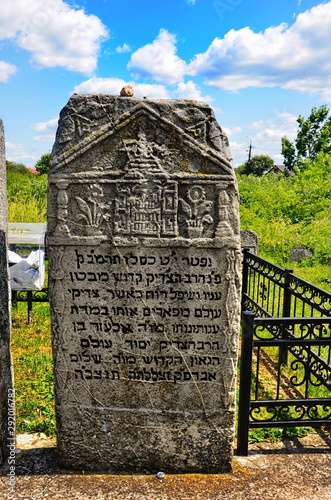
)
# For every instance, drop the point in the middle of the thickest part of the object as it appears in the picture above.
(7, 432)
(144, 260)
(250, 239)
(300, 252)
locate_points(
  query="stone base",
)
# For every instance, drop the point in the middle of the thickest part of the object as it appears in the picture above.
(193, 444)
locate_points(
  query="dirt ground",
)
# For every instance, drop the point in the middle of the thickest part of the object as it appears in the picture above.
(286, 470)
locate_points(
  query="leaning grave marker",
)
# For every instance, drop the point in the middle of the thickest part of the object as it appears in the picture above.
(144, 259)
(7, 412)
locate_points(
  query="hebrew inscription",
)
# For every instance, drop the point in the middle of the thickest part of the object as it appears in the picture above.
(119, 319)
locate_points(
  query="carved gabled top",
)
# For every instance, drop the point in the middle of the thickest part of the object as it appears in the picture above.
(112, 132)
(143, 155)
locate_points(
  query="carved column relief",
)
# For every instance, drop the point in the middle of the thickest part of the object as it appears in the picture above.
(62, 201)
(224, 229)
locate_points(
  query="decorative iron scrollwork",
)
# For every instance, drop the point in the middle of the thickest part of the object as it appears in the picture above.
(290, 412)
(265, 268)
(311, 295)
(267, 331)
(36, 295)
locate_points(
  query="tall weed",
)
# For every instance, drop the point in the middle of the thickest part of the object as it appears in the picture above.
(27, 197)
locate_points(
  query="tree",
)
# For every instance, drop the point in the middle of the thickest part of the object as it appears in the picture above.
(313, 137)
(258, 165)
(42, 165)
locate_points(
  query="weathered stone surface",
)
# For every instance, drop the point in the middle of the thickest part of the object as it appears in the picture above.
(300, 252)
(250, 239)
(7, 432)
(144, 251)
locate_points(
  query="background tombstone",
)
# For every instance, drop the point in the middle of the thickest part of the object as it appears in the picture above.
(250, 239)
(144, 259)
(7, 433)
(300, 252)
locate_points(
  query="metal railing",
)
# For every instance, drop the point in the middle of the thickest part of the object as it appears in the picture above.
(288, 399)
(29, 296)
(285, 376)
(270, 291)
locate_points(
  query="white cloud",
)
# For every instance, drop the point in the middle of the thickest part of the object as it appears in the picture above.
(114, 85)
(257, 125)
(266, 140)
(10, 146)
(19, 154)
(239, 152)
(283, 56)
(283, 120)
(232, 130)
(190, 90)
(287, 118)
(50, 125)
(123, 49)
(326, 95)
(269, 135)
(191, 2)
(6, 71)
(47, 130)
(158, 60)
(55, 33)
(44, 138)
(270, 132)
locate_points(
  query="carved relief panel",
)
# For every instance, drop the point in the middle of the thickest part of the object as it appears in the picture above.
(159, 207)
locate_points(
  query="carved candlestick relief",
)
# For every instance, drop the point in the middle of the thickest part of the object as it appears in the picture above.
(144, 244)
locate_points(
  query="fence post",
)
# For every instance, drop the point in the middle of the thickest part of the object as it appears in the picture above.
(14, 302)
(245, 382)
(244, 287)
(286, 311)
(29, 299)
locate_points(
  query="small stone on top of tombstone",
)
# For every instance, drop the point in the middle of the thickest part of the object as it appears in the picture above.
(127, 91)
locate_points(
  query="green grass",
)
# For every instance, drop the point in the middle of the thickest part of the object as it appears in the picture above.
(33, 370)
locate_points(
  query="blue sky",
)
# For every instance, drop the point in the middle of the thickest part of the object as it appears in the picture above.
(259, 64)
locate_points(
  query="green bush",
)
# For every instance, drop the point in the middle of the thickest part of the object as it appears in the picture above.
(27, 197)
(290, 211)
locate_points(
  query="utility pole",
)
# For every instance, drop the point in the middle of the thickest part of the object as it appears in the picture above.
(249, 150)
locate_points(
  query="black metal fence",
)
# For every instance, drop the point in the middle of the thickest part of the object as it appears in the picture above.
(29, 296)
(270, 291)
(285, 378)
